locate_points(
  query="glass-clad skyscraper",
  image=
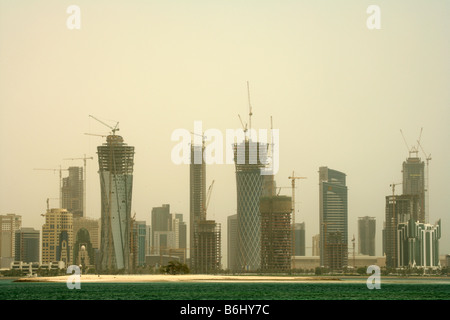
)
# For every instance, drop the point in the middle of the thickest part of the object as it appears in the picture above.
(115, 160)
(333, 219)
(249, 184)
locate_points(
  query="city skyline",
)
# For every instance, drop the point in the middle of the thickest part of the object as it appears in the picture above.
(338, 92)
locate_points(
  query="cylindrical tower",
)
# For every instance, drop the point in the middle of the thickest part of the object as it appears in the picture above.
(115, 161)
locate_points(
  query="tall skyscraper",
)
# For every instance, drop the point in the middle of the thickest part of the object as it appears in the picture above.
(333, 219)
(9, 224)
(57, 237)
(160, 218)
(249, 186)
(413, 170)
(116, 161)
(27, 245)
(72, 192)
(197, 190)
(366, 235)
(139, 237)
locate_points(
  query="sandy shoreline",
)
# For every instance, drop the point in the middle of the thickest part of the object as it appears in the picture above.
(177, 278)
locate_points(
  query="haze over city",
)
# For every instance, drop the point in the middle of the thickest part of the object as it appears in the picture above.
(338, 92)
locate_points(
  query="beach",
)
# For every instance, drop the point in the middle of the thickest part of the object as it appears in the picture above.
(176, 278)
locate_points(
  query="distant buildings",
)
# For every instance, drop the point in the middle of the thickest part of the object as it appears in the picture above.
(9, 224)
(418, 244)
(366, 235)
(168, 234)
(299, 239)
(27, 244)
(116, 161)
(408, 239)
(316, 245)
(333, 219)
(57, 237)
(72, 192)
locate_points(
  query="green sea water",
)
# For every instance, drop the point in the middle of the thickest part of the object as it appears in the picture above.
(348, 289)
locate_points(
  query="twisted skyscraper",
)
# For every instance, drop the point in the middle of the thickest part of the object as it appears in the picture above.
(115, 160)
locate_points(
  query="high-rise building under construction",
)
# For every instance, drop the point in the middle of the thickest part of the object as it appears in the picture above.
(197, 200)
(205, 235)
(276, 233)
(72, 192)
(249, 187)
(413, 170)
(116, 160)
(333, 219)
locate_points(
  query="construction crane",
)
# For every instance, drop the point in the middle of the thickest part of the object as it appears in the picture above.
(48, 204)
(208, 197)
(427, 181)
(279, 189)
(244, 127)
(293, 178)
(84, 179)
(249, 108)
(413, 149)
(113, 129)
(60, 181)
(353, 243)
(250, 113)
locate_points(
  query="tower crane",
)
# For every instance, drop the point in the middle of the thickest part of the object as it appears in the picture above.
(60, 181)
(48, 204)
(427, 197)
(208, 197)
(84, 179)
(413, 149)
(293, 178)
(113, 129)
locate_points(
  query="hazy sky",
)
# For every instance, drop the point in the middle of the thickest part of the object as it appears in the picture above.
(338, 92)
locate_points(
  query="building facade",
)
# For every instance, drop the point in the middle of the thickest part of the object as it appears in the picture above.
(72, 192)
(232, 242)
(197, 199)
(116, 161)
(299, 237)
(366, 235)
(418, 244)
(413, 170)
(276, 233)
(399, 209)
(249, 186)
(57, 237)
(9, 224)
(333, 219)
(27, 244)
